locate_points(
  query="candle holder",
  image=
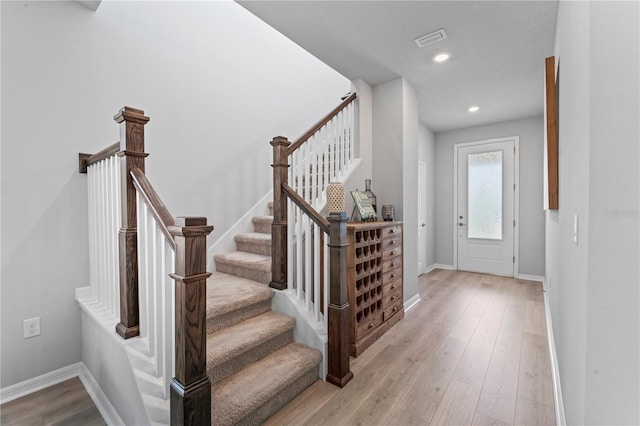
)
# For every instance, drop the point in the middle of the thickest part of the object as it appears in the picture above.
(388, 213)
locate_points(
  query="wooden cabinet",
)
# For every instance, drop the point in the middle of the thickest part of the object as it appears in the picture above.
(374, 274)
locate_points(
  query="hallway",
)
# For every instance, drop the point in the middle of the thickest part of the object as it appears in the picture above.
(472, 351)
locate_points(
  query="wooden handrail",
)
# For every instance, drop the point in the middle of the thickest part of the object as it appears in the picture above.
(86, 160)
(155, 204)
(302, 139)
(306, 207)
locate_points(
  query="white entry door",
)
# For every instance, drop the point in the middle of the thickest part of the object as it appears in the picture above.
(485, 219)
(422, 212)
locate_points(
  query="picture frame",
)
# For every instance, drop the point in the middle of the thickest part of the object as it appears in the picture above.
(551, 197)
(363, 206)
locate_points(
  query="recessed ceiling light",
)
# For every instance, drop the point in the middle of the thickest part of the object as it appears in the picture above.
(441, 57)
(473, 108)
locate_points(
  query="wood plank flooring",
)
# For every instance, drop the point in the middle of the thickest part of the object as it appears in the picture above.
(472, 352)
(66, 403)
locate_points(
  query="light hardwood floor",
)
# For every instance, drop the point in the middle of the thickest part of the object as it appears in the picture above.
(66, 403)
(472, 352)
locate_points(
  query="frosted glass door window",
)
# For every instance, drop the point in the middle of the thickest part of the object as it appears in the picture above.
(485, 195)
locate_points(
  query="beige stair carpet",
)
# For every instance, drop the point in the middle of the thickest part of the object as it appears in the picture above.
(253, 363)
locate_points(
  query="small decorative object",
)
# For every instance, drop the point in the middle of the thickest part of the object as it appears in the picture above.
(335, 197)
(363, 206)
(388, 213)
(370, 194)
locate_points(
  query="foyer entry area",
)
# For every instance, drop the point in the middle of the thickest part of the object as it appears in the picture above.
(472, 351)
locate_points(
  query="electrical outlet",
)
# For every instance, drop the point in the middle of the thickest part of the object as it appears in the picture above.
(31, 327)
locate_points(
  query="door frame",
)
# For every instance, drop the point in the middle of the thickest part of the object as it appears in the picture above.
(516, 199)
(424, 208)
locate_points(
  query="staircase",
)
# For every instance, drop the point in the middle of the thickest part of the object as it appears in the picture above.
(253, 364)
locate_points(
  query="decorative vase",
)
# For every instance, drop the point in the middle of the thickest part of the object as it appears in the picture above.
(370, 194)
(388, 213)
(335, 197)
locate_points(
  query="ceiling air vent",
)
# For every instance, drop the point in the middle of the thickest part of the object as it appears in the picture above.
(431, 38)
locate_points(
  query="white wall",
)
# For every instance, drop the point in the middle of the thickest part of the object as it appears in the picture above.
(427, 154)
(395, 165)
(364, 136)
(532, 224)
(594, 286)
(217, 83)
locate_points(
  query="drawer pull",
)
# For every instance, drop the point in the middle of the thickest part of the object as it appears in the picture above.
(393, 286)
(393, 298)
(393, 253)
(395, 309)
(392, 242)
(393, 264)
(393, 275)
(371, 325)
(391, 231)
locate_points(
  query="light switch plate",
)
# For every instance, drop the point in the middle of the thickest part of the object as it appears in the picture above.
(575, 228)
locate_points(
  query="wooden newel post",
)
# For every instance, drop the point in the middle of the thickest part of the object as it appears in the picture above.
(132, 123)
(339, 372)
(279, 227)
(190, 388)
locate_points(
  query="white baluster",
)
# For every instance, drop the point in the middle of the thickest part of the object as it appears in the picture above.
(298, 261)
(325, 158)
(326, 280)
(341, 143)
(290, 239)
(307, 262)
(317, 247)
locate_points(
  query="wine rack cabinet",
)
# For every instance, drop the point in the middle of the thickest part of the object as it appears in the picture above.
(374, 274)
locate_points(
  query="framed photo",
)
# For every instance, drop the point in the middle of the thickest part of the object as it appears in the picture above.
(551, 135)
(363, 206)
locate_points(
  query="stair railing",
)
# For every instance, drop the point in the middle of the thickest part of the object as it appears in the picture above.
(130, 274)
(309, 252)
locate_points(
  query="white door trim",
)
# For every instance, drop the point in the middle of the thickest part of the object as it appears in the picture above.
(422, 230)
(516, 207)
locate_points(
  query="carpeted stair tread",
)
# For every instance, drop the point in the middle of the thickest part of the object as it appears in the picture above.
(227, 293)
(251, 266)
(262, 224)
(254, 242)
(233, 348)
(247, 260)
(232, 341)
(242, 398)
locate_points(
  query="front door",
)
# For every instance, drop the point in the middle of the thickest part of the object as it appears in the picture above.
(485, 207)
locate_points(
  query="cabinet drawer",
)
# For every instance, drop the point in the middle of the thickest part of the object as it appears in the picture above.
(392, 297)
(392, 242)
(391, 286)
(390, 253)
(391, 264)
(369, 324)
(392, 231)
(391, 310)
(391, 275)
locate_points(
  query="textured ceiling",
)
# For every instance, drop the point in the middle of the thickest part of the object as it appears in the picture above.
(498, 50)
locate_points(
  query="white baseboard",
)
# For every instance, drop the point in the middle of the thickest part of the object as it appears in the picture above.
(555, 373)
(440, 266)
(531, 277)
(109, 414)
(38, 383)
(412, 302)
